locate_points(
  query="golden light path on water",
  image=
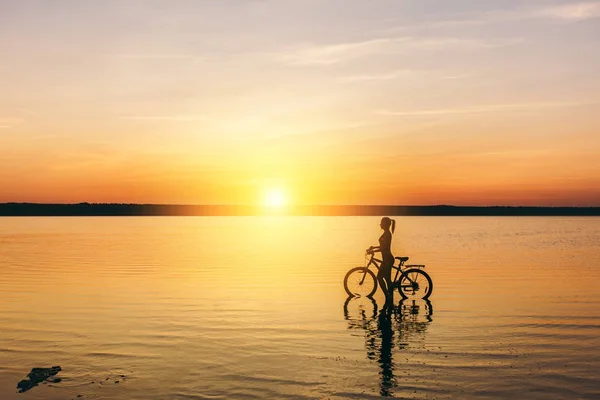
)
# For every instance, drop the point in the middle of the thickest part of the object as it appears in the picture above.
(254, 307)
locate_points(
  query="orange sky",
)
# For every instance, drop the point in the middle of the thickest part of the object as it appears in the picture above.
(340, 102)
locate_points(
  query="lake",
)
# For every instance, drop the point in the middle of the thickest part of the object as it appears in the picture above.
(254, 307)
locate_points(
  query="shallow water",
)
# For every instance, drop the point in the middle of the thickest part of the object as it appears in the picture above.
(254, 307)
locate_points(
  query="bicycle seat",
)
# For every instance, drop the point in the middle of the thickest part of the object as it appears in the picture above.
(402, 259)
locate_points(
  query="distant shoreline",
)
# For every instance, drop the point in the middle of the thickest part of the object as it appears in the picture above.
(92, 209)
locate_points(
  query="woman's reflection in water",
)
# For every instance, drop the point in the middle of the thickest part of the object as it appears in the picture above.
(384, 327)
(394, 326)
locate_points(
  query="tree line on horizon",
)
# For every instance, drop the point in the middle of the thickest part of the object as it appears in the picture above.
(131, 209)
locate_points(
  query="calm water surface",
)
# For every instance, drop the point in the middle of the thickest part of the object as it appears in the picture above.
(222, 308)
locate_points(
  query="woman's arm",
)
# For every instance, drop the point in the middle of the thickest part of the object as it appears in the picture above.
(374, 249)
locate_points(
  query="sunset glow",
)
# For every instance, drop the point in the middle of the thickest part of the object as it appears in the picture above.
(269, 199)
(275, 198)
(353, 102)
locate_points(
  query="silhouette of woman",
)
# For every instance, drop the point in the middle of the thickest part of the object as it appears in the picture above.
(385, 243)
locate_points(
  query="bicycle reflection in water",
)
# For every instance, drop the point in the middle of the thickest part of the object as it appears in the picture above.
(401, 326)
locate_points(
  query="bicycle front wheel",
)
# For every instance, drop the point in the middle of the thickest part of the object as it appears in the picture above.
(415, 284)
(360, 282)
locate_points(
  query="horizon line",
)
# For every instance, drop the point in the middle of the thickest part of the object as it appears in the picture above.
(134, 209)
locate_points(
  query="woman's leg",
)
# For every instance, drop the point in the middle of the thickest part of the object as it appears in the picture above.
(382, 282)
(389, 298)
(388, 281)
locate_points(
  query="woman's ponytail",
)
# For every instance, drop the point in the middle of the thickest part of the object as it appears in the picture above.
(393, 225)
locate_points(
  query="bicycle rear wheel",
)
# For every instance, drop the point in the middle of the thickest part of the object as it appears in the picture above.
(360, 281)
(415, 284)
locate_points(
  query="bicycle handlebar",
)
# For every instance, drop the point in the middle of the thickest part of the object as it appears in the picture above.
(370, 251)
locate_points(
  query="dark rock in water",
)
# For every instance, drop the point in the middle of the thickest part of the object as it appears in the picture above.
(37, 376)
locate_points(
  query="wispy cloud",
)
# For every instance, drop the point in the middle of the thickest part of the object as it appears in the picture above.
(318, 131)
(315, 54)
(437, 43)
(174, 118)
(383, 76)
(565, 12)
(458, 76)
(477, 109)
(6, 123)
(404, 74)
(319, 54)
(159, 56)
(572, 12)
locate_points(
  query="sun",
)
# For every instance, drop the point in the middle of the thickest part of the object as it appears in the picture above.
(275, 198)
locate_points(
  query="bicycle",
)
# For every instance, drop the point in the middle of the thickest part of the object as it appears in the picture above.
(410, 279)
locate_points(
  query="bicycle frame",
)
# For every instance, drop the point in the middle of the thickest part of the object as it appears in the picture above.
(399, 269)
